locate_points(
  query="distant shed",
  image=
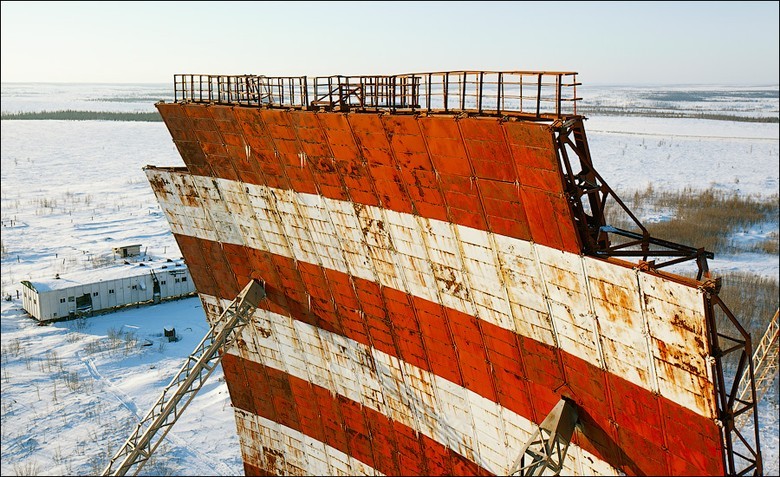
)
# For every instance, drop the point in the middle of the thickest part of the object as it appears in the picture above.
(127, 251)
(103, 289)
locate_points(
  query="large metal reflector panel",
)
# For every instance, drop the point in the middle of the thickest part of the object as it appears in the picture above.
(412, 329)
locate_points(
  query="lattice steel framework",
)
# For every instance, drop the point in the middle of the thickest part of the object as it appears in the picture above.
(588, 196)
(174, 399)
(545, 451)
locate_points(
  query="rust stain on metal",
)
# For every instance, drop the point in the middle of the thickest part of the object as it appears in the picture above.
(450, 278)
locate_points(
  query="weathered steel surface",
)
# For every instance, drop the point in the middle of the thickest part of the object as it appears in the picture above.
(505, 322)
(435, 167)
(427, 298)
(375, 384)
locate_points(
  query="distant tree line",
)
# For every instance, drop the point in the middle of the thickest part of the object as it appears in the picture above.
(73, 115)
(606, 111)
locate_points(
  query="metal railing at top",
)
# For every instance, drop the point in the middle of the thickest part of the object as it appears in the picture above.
(534, 94)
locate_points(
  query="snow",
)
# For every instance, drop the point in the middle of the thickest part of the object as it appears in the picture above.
(73, 190)
(631, 153)
(75, 389)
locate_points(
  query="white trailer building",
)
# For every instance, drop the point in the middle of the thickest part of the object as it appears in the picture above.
(85, 292)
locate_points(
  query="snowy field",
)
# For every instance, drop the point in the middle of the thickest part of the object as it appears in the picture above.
(72, 190)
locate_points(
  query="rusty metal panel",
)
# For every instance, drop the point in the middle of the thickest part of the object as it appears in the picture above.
(349, 162)
(487, 148)
(374, 147)
(678, 342)
(441, 168)
(443, 254)
(454, 173)
(183, 134)
(330, 253)
(210, 141)
(268, 222)
(497, 176)
(539, 173)
(416, 170)
(322, 232)
(295, 227)
(315, 154)
(224, 223)
(524, 286)
(442, 411)
(379, 243)
(491, 447)
(288, 150)
(569, 303)
(313, 353)
(621, 325)
(411, 255)
(262, 157)
(350, 237)
(480, 262)
(238, 200)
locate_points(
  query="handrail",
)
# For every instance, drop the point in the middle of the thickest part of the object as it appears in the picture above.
(544, 95)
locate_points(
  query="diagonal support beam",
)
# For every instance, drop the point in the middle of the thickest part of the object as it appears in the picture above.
(190, 379)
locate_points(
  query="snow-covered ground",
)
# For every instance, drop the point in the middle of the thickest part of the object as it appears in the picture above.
(72, 391)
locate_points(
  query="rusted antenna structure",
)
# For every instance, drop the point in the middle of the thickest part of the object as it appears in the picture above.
(444, 235)
(765, 365)
(185, 385)
(546, 450)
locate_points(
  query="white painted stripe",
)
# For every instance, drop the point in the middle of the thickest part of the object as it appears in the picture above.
(281, 450)
(462, 420)
(554, 297)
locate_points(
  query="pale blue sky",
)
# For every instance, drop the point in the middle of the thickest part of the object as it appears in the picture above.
(605, 42)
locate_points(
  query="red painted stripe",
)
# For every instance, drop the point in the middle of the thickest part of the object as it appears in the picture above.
(348, 426)
(502, 177)
(621, 427)
(251, 470)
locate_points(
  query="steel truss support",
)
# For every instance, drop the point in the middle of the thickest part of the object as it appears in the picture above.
(190, 379)
(546, 450)
(741, 452)
(589, 195)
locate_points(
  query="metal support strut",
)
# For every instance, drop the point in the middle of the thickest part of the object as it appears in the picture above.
(190, 379)
(546, 449)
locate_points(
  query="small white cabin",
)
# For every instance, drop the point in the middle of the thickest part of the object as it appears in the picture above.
(127, 251)
(85, 292)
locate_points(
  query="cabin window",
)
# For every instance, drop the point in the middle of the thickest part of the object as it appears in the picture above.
(70, 298)
(184, 279)
(177, 280)
(135, 287)
(110, 291)
(62, 300)
(162, 282)
(94, 293)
